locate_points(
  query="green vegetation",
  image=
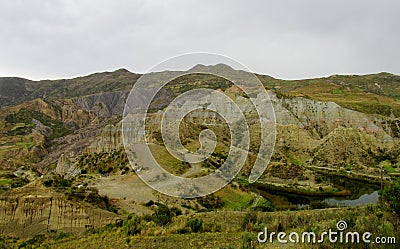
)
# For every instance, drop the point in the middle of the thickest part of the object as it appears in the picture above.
(233, 216)
(249, 220)
(188, 82)
(9, 181)
(131, 225)
(294, 160)
(373, 94)
(23, 123)
(211, 202)
(74, 193)
(195, 225)
(167, 161)
(337, 91)
(236, 199)
(390, 195)
(264, 205)
(247, 241)
(104, 162)
(236, 230)
(5, 182)
(389, 169)
(26, 145)
(162, 215)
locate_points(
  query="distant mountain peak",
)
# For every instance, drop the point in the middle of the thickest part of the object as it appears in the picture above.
(122, 70)
(219, 66)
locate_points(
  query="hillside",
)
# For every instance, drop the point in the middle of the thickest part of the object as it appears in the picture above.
(17, 90)
(62, 138)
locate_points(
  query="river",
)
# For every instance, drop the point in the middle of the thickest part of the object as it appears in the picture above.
(361, 194)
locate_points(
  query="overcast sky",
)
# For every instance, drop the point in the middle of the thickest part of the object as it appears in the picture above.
(285, 39)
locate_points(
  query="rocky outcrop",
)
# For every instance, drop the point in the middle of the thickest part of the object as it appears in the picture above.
(103, 105)
(33, 210)
(346, 146)
(321, 118)
(72, 145)
(109, 139)
(66, 168)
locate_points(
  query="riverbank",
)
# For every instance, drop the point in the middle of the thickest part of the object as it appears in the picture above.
(372, 179)
(300, 190)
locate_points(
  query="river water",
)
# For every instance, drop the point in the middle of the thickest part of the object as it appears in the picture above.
(361, 194)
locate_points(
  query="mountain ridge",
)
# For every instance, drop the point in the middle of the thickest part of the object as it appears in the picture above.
(15, 90)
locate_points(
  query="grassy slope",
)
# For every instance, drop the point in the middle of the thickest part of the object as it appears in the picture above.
(371, 218)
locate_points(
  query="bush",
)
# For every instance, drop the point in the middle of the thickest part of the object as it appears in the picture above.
(211, 202)
(162, 215)
(211, 227)
(247, 241)
(131, 226)
(249, 220)
(48, 183)
(391, 196)
(182, 230)
(317, 204)
(19, 182)
(195, 225)
(37, 239)
(176, 211)
(62, 235)
(149, 203)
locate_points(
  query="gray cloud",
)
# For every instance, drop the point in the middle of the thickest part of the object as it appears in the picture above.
(285, 39)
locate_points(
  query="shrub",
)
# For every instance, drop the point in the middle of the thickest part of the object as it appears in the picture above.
(317, 204)
(176, 211)
(149, 203)
(48, 183)
(61, 235)
(131, 226)
(195, 225)
(37, 239)
(182, 230)
(391, 196)
(162, 215)
(247, 241)
(211, 227)
(249, 220)
(211, 202)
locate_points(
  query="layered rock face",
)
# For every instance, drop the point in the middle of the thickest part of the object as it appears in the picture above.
(39, 210)
(103, 105)
(323, 117)
(66, 168)
(109, 139)
(324, 133)
(327, 134)
(314, 122)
